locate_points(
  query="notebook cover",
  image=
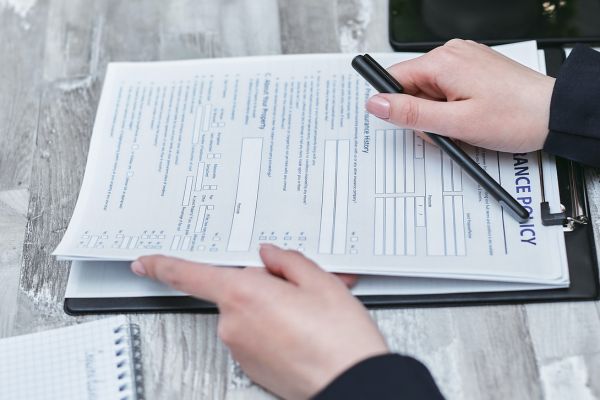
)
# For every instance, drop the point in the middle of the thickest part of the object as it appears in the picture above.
(581, 256)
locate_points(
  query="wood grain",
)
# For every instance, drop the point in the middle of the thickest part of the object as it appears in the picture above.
(21, 49)
(55, 54)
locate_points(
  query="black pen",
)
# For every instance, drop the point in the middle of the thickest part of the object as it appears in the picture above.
(383, 82)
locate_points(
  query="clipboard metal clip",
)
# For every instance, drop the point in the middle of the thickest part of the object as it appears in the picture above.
(576, 197)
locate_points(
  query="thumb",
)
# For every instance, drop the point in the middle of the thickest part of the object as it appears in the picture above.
(416, 113)
(292, 266)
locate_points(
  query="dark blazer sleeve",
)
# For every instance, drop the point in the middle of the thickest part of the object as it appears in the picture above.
(575, 109)
(389, 376)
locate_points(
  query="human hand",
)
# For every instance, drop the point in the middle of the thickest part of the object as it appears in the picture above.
(467, 91)
(292, 326)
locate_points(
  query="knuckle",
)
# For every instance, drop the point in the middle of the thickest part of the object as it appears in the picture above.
(408, 114)
(226, 332)
(237, 294)
(169, 275)
(444, 55)
(455, 43)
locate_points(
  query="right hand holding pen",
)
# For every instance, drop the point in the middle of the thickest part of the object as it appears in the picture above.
(467, 91)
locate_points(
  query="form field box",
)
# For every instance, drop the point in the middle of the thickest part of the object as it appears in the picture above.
(390, 161)
(197, 125)
(451, 175)
(389, 227)
(449, 240)
(455, 242)
(446, 173)
(199, 175)
(395, 229)
(185, 245)
(187, 191)
(206, 117)
(434, 209)
(334, 207)
(244, 210)
(409, 164)
(419, 146)
(399, 161)
(201, 121)
(378, 236)
(459, 226)
(400, 223)
(175, 243)
(410, 227)
(380, 161)
(200, 219)
(420, 211)
(394, 161)
(125, 242)
(456, 177)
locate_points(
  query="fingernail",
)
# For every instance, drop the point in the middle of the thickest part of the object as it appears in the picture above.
(138, 268)
(379, 107)
(268, 246)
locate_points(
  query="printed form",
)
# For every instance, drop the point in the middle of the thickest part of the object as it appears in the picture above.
(206, 159)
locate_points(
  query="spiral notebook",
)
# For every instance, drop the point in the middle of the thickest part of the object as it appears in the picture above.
(93, 360)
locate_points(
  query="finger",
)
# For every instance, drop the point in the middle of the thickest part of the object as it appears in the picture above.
(348, 279)
(417, 113)
(200, 280)
(415, 75)
(292, 266)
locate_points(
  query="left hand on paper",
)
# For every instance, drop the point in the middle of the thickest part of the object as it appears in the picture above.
(292, 326)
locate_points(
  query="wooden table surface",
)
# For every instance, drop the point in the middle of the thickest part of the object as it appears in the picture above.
(53, 55)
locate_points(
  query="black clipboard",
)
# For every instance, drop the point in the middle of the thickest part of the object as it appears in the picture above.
(579, 239)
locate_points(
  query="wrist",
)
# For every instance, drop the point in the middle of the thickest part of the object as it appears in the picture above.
(342, 365)
(544, 94)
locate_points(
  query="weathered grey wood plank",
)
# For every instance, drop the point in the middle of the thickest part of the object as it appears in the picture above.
(548, 350)
(468, 350)
(308, 26)
(13, 217)
(21, 49)
(22, 26)
(565, 336)
(80, 40)
(362, 25)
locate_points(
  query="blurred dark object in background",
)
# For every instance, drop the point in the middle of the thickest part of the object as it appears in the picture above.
(422, 24)
(479, 18)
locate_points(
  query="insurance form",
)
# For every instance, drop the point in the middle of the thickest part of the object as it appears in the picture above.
(206, 159)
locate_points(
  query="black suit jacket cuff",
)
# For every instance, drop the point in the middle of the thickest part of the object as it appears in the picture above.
(575, 108)
(389, 376)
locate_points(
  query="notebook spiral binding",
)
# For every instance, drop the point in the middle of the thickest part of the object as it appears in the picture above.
(129, 365)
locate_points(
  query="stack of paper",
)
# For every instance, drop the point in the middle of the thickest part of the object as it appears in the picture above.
(206, 159)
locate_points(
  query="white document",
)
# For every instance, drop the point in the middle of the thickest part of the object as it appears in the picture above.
(206, 159)
(114, 279)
